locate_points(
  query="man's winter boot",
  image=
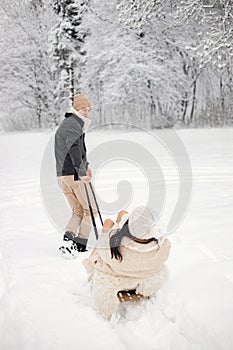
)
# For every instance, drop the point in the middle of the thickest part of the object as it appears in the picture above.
(69, 247)
(81, 244)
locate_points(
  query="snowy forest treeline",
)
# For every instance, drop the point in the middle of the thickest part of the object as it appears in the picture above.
(154, 63)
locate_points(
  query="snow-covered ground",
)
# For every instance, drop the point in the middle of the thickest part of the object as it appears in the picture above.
(45, 301)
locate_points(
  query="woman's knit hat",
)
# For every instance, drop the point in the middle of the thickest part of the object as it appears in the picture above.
(143, 225)
(81, 101)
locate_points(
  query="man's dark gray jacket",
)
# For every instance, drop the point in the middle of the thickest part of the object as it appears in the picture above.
(70, 149)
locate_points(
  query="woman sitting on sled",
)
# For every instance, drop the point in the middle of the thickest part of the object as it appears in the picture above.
(130, 255)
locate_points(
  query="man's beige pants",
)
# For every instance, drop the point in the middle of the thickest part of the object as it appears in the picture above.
(80, 222)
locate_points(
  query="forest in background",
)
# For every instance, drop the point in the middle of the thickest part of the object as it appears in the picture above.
(158, 64)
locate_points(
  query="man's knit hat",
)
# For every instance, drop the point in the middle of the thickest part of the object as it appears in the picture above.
(142, 223)
(81, 101)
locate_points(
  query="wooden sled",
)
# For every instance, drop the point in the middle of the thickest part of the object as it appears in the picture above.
(130, 295)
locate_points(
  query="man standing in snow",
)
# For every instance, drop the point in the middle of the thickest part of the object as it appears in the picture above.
(74, 174)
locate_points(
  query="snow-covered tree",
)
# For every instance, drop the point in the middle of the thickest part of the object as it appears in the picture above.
(26, 84)
(155, 53)
(212, 52)
(68, 39)
(161, 62)
(130, 64)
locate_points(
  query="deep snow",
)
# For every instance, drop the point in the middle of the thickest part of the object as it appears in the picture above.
(45, 301)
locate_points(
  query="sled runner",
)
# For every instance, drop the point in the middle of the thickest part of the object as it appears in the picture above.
(130, 295)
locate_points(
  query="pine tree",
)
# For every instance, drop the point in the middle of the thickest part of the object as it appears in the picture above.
(68, 42)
